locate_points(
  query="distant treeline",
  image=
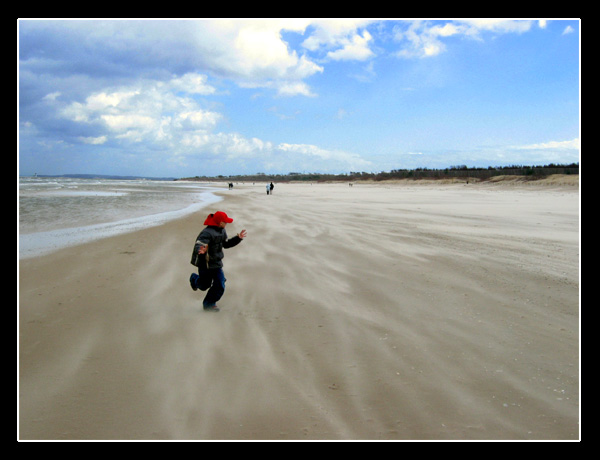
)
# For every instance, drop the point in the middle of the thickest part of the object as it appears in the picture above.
(462, 171)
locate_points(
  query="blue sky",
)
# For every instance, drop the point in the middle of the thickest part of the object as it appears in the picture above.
(181, 98)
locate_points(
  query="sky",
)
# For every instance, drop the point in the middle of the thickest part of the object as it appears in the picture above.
(180, 98)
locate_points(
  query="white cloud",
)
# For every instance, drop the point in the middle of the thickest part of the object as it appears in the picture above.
(150, 111)
(260, 51)
(283, 88)
(198, 120)
(568, 30)
(243, 50)
(127, 122)
(332, 33)
(162, 116)
(355, 48)
(341, 39)
(477, 26)
(225, 146)
(294, 89)
(192, 83)
(75, 112)
(330, 159)
(246, 51)
(253, 53)
(51, 96)
(102, 100)
(93, 140)
(424, 38)
(552, 145)
(109, 105)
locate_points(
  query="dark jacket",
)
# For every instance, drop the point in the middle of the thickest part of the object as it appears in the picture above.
(216, 239)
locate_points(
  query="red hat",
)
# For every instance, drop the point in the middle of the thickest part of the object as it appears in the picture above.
(216, 218)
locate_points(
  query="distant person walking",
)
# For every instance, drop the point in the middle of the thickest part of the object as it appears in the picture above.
(268, 188)
(271, 187)
(208, 257)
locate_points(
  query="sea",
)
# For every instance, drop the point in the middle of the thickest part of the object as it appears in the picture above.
(57, 212)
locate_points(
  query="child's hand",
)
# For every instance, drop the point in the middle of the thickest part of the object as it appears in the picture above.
(242, 234)
(202, 249)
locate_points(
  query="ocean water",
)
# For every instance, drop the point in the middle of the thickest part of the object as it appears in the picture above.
(59, 212)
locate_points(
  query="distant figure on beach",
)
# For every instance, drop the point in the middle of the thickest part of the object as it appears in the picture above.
(271, 187)
(208, 257)
(230, 185)
(268, 188)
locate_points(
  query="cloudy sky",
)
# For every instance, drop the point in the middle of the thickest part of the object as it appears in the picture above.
(181, 98)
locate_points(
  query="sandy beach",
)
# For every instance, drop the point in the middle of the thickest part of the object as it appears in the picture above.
(380, 311)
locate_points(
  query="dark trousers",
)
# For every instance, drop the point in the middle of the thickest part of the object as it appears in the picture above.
(212, 279)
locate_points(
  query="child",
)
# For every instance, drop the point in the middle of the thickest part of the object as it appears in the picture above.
(208, 257)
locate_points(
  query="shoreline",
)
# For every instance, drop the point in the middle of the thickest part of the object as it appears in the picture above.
(369, 312)
(46, 242)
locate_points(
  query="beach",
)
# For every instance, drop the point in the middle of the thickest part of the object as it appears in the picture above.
(378, 311)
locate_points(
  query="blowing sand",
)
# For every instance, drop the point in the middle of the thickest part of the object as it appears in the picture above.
(372, 312)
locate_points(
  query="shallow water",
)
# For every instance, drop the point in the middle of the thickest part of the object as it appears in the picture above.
(58, 212)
